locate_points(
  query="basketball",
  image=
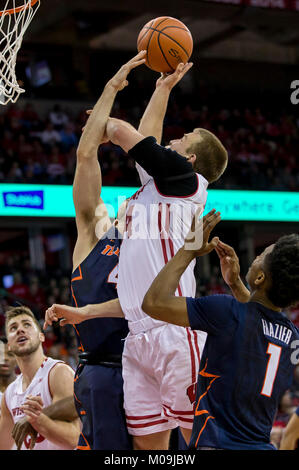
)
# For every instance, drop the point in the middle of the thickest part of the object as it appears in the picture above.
(167, 42)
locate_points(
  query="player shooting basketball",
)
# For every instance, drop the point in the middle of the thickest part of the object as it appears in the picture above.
(165, 398)
(94, 274)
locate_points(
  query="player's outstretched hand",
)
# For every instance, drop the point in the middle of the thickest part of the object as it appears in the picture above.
(65, 315)
(21, 430)
(197, 239)
(169, 80)
(229, 263)
(119, 81)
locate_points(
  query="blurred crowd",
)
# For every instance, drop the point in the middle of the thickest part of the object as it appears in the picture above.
(262, 148)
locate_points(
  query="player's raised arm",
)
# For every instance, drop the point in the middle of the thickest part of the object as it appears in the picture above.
(90, 209)
(230, 269)
(153, 118)
(160, 301)
(151, 123)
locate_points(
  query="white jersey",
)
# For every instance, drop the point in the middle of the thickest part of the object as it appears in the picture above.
(15, 397)
(156, 227)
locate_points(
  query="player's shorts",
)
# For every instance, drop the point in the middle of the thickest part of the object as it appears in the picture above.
(98, 394)
(160, 368)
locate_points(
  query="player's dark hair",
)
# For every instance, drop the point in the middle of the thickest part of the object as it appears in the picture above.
(211, 156)
(3, 339)
(282, 264)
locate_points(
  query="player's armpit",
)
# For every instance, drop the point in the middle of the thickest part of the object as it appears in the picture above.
(90, 231)
(170, 309)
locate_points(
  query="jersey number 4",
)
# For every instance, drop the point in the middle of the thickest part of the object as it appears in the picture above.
(274, 352)
(113, 276)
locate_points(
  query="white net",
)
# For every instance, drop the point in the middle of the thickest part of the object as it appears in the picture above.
(15, 17)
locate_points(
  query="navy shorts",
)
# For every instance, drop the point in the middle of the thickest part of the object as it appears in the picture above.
(98, 392)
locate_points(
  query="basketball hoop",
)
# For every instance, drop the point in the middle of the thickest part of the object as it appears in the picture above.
(14, 21)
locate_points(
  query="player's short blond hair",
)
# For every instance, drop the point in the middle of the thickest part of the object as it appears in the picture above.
(22, 310)
(211, 156)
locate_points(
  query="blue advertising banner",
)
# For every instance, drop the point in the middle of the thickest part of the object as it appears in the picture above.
(22, 200)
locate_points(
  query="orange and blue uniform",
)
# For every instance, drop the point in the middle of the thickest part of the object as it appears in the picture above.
(98, 386)
(247, 365)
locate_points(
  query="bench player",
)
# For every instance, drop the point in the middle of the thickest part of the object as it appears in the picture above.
(248, 362)
(42, 379)
(174, 180)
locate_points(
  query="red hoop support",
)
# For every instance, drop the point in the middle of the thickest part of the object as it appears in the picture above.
(12, 11)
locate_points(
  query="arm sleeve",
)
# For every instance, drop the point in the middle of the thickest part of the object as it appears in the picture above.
(172, 173)
(213, 314)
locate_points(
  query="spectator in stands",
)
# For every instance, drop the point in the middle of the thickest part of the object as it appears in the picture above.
(68, 137)
(58, 117)
(19, 289)
(49, 135)
(262, 146)
(56, 171)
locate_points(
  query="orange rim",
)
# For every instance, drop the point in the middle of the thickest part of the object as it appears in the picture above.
(18, 9)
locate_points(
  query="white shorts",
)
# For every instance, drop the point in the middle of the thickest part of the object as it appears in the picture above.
(160, 368)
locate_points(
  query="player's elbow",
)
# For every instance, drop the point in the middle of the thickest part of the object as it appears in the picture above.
(86, 152)
(114, 130)
(152, 305)
(72, 438)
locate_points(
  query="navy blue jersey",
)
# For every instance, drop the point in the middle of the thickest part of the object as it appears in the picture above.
(94, 281)
(245, 369)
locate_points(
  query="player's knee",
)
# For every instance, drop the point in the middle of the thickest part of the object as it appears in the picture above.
(151, 442)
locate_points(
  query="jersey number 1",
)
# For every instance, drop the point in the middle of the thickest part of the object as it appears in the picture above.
(274, 351)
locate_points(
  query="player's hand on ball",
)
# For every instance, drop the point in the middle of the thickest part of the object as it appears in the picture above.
(229, 263)
(119, 81)
(169, 80)
(197, 239)
(64, 314)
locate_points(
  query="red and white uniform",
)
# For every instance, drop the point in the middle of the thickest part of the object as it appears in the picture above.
(15, 397)
(160, 361)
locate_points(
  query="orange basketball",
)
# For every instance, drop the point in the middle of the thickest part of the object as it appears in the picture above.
(167, 42)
